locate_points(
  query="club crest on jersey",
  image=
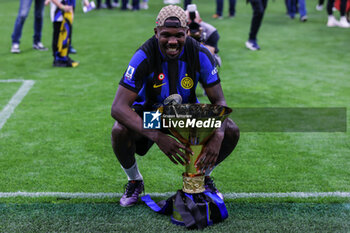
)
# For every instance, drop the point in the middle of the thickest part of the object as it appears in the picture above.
(161, 76)
(129, 72)
(186, 82)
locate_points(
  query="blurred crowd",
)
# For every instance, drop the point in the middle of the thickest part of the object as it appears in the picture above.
(62, 15)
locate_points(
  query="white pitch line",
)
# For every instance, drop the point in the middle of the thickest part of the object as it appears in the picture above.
(15, 100)
(11, 81)
(291, 194)
(168, 194)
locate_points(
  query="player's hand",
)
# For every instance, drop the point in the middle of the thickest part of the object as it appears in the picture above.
(67, 8)
(86, 3)
(47, 2)
(210, 152)
(175, 151)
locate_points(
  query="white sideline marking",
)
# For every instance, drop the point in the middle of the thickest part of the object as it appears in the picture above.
(15, 100)
(168, 194)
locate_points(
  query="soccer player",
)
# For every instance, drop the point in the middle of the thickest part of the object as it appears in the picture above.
(155, 72)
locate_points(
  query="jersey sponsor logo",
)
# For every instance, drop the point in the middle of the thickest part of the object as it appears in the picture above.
(129, 72)
(186, 82)
(161, 76)
(159, 85)
(214, 71)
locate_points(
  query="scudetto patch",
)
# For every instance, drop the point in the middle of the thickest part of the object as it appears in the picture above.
(161, 76)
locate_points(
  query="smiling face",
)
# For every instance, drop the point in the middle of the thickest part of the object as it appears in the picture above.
(171, 39)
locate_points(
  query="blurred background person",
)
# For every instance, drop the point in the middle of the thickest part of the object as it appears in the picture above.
(135, 5)
(115, 3)
(186, 3)
(108, 4)
(86, 3)
(24, 7)
(319, 6)
(172, 2)
(144, 5)
(259, 7)
(203, 32)
(220, 8)
(293, 6)
(332, 22)
(62, 16)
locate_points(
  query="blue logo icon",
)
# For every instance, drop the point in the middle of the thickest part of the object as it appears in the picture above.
(129, 72)
(151, 120)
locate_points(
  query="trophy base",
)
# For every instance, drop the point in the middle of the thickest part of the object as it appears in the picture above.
(194, 211)
(201, 205)
(202, 208)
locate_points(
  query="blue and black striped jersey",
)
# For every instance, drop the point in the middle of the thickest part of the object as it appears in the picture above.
(148, 74)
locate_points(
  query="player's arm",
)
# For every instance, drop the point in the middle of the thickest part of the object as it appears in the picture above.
(210, 152)
(123, 113)
(212, 86)
(216, 95)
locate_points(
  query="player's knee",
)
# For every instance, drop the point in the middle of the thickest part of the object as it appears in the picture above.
(232, 130)
(119, 131)
(142, 150)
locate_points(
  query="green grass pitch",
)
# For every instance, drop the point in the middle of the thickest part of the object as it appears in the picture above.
(58, 137)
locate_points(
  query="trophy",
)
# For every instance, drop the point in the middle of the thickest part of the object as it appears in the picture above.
(193, 125)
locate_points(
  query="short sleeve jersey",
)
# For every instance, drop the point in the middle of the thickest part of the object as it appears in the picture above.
(148, 75)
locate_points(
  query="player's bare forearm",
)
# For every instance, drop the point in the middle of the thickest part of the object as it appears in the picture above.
(216, 95)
